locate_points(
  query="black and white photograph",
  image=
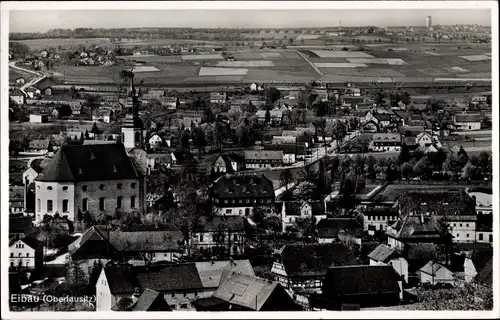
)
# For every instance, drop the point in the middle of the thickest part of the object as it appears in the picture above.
(196, 159)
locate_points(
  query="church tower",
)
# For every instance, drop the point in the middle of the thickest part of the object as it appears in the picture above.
(132, 128)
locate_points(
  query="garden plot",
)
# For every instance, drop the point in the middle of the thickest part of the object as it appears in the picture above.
(145, 69)
(190, 57)
(214, 71)
(433, 71)
(476, 57)
(341, 54)
(267, 55)
(246, 64)
(153, 58)
(340, 65)
(368, 61)
(432, 53)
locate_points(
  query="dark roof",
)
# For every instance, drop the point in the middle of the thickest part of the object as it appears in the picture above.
(382, 116)
(297, 149)
(215, 223)
(38, 164)
(243, 186)
(33, 242)
(314, 258)
(151, 300)
(292, 208)
(20, 224)
(485, 276)
(89, 163)
(330, 227)
(442, 202)
(382, 253)
(480, 258)
(182, 156)
(411, 228)
(121, 279)
(421, 251)
(317, 208)
(360, 280)
(467, 118)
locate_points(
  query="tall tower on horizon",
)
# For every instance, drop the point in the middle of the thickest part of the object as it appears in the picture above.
(132, 128)
(428, 22)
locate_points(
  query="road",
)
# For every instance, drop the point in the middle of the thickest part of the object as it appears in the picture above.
(309, 61)
(39, 76)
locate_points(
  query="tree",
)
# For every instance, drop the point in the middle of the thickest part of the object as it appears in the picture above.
(422, 168)
(404, 154)
(379, 98)
(320, 108)
(272, 94)
(92, 102)
(407, 170)
(463, 157)
(267, 118)
(306, 226)
(199, 140)
(485, 163)
(470, 171)
(466, 297)
(95, 130)
(286, 178)
(65, 111)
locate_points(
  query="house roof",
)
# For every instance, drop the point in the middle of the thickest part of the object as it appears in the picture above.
(147, 301)
(39, 144)
(410, 141)
(481, 257)
(16, 93)
(314, 258)
(296, 149)
(382, 253)
(431, 268)
(382, 116)
(411, 227)
(216, 223)
(360, 280)
(170, 278)
(467, 118)
(243, 186)
(263, 155)
(485, 275)
(317, 207)
(121, 279)
(330, 227)
(244, 290)
(182, 156)
(38, 164)
(292, 208)
(89, 163)
(20, 224)
(446, 202)
(211, 271)
(421, 251)
(386, 137)
(139, 241)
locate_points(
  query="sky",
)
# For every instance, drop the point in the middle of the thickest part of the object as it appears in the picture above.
(41, 21)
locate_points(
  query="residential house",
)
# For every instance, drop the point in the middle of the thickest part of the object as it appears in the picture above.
(305, 264)
(39, 118)
(484, 228)
(293, 210)
(255, 159)
(213, 272)
(390, 142)
(219, 235)
(467, 122)
(103, 116)
(35, 167)
(370, 126)
(218, 97)
(275, 116)
(155, 141)
(240, 292)
(228, 163)
(434, 273)
(482, 200)
(17, 96)
(43, 54)
(149, 300)
(443, 203)
(362, 285)
(239, 194)
(463, 227)
(94, 178)
(289, 139)
(379, 218)
(382, 119)
(179, 284)
(291, 152)
(25, 252)
(140, 247)
(339, 229)
(410, 142)
(424, 139)
(415, 229)
(16, 199)
(384, 255)
(158, 161)
(39, 147)
(32, 92)
(20, 81)
(474, 263)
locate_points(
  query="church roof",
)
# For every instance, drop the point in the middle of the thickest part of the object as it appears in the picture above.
(89, 163)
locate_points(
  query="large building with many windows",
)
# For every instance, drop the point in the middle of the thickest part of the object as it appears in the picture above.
(98, 179)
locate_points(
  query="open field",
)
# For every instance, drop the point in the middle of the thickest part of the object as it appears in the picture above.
(15, 73)
(40, 44)
(153, 58)
(340, 65)
(246, 64)
(207, 71)
(188, 57)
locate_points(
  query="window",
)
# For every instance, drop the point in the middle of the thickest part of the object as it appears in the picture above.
(185, 294)
(165, 254)
(184, 306)
(196, 293)
(467, 235)
(39, 205)
(460, 224)
(229, 211)
(11, 264)
(235, 238)
(132, 201)
(85, 188)
(225, 201)
(101, 204)
(119, 186)
(19, 254)
(491, 238)
(65, 205)
(85, 204)
(214, 238)
(27, 254)
(49, 205)
(49, 188)
(467, 225)
(119, 202)
(12, 255)
(201, 237)
(173, 294)
(480, 236)
(27, 263)
(133, 185)
(65, 188)
(290, 219)
(101, 187)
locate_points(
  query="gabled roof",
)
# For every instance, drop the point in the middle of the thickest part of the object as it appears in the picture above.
(243, 186)
(331, 227)
(263, 155)
(360, 280)
(211, 271)
(314, 258)
(485, 276)
(431, 268)
(245, 291)
(382, 253)
(89, 163)
(174, 277)
(121, 279)
(150, 300)
(467, 118)
(296, 149)
(411, 227)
